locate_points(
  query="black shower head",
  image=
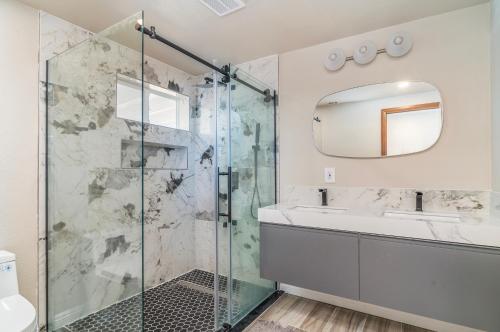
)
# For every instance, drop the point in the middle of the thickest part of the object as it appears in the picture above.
(267, 95)
(209, 83)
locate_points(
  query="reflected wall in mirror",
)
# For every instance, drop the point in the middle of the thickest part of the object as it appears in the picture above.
(378, 120)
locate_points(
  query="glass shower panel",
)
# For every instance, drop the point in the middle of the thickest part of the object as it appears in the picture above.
(252, 158)
(179, 207)
(94, 185)
(221, 115)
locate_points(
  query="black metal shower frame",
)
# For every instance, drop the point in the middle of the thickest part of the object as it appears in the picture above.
(151, 32)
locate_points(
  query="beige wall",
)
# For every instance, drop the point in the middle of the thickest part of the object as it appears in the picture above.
(19, 139)
(452, 52)
(495, 88)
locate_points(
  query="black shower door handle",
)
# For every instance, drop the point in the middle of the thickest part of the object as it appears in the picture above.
(227, 215)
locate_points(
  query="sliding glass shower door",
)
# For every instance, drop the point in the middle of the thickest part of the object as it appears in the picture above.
(249, 160)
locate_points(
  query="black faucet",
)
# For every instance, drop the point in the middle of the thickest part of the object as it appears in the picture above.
(324, 201)
(419, 201)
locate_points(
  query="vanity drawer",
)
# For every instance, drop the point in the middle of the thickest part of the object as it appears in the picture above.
(324, 261)
(454, 283)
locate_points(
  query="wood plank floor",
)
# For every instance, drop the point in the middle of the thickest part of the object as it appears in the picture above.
(296, 314)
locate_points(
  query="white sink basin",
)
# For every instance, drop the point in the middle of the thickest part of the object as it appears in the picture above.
(426, 216)
(319, 209)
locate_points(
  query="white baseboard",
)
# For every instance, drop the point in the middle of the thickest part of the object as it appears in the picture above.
(400, 316)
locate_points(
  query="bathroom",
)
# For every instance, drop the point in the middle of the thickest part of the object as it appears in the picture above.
(330, 166)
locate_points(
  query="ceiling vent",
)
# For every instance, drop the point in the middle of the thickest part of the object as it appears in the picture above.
(223, 7)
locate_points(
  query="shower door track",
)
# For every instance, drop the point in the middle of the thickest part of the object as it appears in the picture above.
(151, 32)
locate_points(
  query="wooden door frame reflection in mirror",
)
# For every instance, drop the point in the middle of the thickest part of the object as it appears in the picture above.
(402, 109)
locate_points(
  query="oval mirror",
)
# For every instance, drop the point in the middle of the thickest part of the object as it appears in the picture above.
(378, 120)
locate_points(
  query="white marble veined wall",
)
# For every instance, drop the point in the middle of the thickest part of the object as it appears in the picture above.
(376, 200)
(495, 205)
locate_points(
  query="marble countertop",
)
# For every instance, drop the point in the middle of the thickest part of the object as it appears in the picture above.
(472, 230)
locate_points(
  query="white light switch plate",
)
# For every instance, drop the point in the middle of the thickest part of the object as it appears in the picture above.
(329, 175)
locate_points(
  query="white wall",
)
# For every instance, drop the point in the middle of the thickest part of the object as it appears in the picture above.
(451, 52)
(495, 89)
(411, 132)
(19, 139)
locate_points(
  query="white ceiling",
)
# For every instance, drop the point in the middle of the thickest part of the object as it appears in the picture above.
(262, 28)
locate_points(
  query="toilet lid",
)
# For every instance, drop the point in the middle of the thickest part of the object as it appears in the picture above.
(16, 314)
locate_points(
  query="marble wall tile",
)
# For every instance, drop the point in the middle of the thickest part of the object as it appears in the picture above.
(377, 200)
(203, 121)
(266, 70)
(56, 36)
(495, 206)
(263, 69)
(153, 156)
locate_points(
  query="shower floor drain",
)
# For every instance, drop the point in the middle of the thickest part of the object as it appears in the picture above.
(185, 303)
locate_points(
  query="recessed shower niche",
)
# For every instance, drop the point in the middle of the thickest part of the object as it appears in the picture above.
(153, 155)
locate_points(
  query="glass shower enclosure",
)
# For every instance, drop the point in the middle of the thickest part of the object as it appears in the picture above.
(153, 181)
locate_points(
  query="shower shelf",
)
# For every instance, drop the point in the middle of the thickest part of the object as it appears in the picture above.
(156, 155)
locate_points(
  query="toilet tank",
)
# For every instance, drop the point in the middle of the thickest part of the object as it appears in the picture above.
(8, 274)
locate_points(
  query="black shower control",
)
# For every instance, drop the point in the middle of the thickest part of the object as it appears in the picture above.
(418, 201)
(324, 199)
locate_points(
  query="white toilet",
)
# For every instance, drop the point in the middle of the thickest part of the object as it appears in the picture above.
(16, 313)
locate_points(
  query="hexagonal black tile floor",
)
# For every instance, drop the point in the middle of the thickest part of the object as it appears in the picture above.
(185, 303)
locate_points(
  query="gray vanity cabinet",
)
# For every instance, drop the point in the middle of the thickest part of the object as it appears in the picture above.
(453, 283)
(324, 261)
(450, 282)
